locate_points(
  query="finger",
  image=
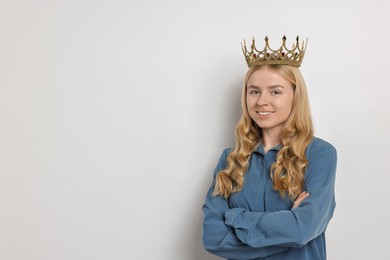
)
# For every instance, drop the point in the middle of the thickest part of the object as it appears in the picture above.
(303, 197)
(300, 198)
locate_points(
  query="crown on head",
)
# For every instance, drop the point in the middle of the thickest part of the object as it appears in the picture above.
(283, 55)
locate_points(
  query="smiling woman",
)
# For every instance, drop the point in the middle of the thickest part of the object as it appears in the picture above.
(273, 193)
(269, 99)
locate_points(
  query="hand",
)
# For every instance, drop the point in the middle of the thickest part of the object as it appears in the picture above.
(300, 198)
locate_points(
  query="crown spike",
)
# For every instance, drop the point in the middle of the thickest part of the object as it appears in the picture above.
(283, 43)
(282, 55)
(243, 47)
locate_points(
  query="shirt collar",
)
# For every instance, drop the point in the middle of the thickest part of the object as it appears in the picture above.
(260, 149)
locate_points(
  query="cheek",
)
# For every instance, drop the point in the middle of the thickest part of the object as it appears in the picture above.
(248, 102)
(289, 101)
(290, 106)
(250, 107)
(285, 107)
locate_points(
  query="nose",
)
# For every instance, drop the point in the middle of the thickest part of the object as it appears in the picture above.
(262, 100)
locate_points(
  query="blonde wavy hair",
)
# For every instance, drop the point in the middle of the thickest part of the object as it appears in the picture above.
(288, 171)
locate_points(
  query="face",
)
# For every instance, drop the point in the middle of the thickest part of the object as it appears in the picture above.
(269, 99)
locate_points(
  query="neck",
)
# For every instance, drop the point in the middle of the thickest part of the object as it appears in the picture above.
(270, 139)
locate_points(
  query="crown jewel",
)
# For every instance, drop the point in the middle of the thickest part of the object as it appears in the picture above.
(283, 55)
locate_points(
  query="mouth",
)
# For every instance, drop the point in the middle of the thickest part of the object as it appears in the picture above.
(264, 113)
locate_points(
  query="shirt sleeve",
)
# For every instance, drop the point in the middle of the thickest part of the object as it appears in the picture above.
(298, 226)
(219, 238)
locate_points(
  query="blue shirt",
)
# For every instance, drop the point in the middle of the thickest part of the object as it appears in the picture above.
(257, 223)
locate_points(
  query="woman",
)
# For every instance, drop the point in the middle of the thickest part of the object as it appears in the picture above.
(273, 193)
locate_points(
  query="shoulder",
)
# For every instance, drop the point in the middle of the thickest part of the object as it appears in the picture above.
(322, 163)
(223, 158)
(226, 151)
(322, 158)
(319, 146)
(222, 162)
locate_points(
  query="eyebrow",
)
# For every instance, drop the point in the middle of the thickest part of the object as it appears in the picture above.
(269, 87)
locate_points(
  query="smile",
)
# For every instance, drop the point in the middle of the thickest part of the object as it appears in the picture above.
(264, 113)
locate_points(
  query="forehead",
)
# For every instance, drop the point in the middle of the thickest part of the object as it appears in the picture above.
(264, 78)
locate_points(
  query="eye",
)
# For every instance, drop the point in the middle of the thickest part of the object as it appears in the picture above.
(275, 92)
(253, 92)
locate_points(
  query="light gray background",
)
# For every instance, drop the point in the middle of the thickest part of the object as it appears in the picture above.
(113, 115)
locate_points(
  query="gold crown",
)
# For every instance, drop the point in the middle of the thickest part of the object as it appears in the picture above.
(283, 55)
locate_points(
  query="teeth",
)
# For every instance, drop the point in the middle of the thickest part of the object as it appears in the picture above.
(264, 113)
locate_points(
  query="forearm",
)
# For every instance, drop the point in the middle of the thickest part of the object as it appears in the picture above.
(287, 228)
(221, 240)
